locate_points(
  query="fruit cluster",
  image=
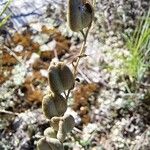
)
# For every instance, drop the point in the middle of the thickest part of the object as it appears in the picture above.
(54, 105)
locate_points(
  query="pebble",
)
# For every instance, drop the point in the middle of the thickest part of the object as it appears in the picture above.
(1, 40)
(18, 48)
(121, 145)
(119, 103)
(116, 132)
(44, 47)
(52, 45)
(41, 38)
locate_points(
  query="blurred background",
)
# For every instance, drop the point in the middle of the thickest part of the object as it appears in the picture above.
(111, 99)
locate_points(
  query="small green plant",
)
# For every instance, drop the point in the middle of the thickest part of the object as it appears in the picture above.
(4, 20)
(62, 81)
(139, 47)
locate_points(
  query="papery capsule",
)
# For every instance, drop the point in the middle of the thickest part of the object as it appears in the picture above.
(50, 132)
(54, 122)
(43, 145)
(49, 144)
(66, 124)
(60, 78)
(79, 14)
(54, 80)
(54, 105)
(66, 76)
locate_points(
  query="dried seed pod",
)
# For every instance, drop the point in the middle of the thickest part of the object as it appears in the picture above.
(66, 124)
(87, 15)
(48, 106)
(54, 80)
(54, 105)
(43, 145)
(50, 132)
(60, 104)
(79, 15)
(49, 144)
(61, 134)
(55, 122)
(66, 76)
(60, 78)
(69, 122)
(55, 144)
(74, 15)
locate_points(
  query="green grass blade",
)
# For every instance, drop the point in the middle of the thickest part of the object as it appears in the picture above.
(4, 21)
(6, 6)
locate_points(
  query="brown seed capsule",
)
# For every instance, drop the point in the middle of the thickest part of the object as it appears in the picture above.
(43, 145)
(66, 124)
(61, 134)
(60, 78)
(55, 144)
(60, 104)
(55, 122)
(49, 144)
(69, 122)
(54, 105)
(66, 76)
(50, 132)
(54, 80)
(79, 15)
(48, 106)
(74, 15)
(87, 15)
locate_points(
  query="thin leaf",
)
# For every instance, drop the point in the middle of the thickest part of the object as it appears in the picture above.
(4, 21)
(6, 6)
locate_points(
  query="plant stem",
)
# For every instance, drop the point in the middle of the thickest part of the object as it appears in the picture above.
(82, 50)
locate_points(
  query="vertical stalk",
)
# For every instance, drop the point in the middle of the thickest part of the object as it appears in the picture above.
(82, 50)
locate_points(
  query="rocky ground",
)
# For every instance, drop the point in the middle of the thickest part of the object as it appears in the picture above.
(111, 110)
